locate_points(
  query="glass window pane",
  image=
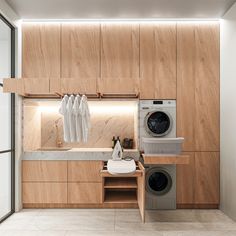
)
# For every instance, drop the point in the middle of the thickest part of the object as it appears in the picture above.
(5, 121)
(5, 49)
(5, 183)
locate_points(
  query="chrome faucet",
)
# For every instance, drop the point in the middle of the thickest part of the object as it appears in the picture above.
(58, 141)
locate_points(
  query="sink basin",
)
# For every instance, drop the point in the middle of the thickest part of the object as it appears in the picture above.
(53, 149)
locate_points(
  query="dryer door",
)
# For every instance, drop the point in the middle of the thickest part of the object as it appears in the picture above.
(158, 181)
(158, 123)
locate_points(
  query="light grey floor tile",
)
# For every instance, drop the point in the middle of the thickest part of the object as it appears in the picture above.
(32, 233)
(115, 233)
(157, 226)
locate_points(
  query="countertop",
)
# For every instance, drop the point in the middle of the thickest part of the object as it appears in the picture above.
(103, 154)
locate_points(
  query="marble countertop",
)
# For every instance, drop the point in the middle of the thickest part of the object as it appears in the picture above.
(103, 154)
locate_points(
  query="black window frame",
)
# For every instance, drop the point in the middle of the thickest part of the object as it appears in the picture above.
(12, 150)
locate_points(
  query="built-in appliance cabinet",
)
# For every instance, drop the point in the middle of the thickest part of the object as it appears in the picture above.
(41, 57)
(198, 183)
(158, 60)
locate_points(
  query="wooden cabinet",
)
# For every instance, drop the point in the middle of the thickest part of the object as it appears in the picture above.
(158, 60)
(185, 182)
(44, 193)
(198, 183)
(84, 171)
(207, 178)
(186, 84)
(44, 171)
(85, 193)
(80, 57)
(198, 86)
(207, 87)
(119, 58)
(41, 57)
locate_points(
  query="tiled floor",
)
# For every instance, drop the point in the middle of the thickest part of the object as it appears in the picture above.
(83, 222)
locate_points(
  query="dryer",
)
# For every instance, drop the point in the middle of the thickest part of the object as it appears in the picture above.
(157, 119)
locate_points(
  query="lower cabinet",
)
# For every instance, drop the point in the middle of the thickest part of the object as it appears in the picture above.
(85, 193)
(61, 182)
(198, 184)
(207, 178)
(44, 193)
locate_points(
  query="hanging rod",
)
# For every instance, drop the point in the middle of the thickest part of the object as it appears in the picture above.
(103, 96)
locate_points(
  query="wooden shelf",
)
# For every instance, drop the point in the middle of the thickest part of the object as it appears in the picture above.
(120, 183)
(113, 196)
(154, 159)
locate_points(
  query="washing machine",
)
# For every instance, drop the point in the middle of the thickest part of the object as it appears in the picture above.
(157, 119)
(161, 187)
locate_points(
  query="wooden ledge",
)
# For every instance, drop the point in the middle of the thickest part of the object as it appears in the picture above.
(153, 159)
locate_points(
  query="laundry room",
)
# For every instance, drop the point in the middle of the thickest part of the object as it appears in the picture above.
(116, 117)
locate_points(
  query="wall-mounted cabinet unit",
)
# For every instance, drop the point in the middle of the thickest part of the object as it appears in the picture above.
(158, 60)
(119, 58)
(198, 57)
(80, 57)
(41, 57)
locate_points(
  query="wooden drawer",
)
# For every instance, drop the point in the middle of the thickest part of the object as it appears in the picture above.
(84, 171)
(85, 193)
(44, 192)
(44, 171)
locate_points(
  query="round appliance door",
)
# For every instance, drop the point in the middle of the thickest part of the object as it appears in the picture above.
(158, 181)
(158, 123)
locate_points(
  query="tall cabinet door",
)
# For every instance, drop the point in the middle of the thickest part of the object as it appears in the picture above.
(41, 57)
(185, 84)
(158, 60)
(198, 86)
(207, 87)
(80, 50)
(185, 182)
(207, 178)
(119, 58)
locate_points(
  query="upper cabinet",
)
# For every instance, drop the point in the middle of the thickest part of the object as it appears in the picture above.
(80, 57)
(158, 60)
(41, 57)
(119, 58)
(198, 79)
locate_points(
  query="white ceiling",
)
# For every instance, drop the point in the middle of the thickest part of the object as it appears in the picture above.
(117, 9)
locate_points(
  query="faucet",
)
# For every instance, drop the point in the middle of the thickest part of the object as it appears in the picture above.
(58, 141)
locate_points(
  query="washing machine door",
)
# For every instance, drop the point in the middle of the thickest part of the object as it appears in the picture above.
(158, 123)
(158, 181)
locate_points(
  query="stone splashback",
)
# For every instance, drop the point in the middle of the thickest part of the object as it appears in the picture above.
(108, 119)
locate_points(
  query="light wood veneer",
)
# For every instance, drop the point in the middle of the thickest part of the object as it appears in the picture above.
(158, 60)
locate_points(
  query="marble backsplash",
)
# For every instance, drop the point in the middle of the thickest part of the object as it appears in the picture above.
(116, 118)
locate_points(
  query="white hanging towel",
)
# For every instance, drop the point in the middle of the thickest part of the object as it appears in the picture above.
(63, 111)
(71, 118)
(78, 120)
(85, 118)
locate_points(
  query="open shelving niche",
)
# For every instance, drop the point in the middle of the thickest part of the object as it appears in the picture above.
(120, 189)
